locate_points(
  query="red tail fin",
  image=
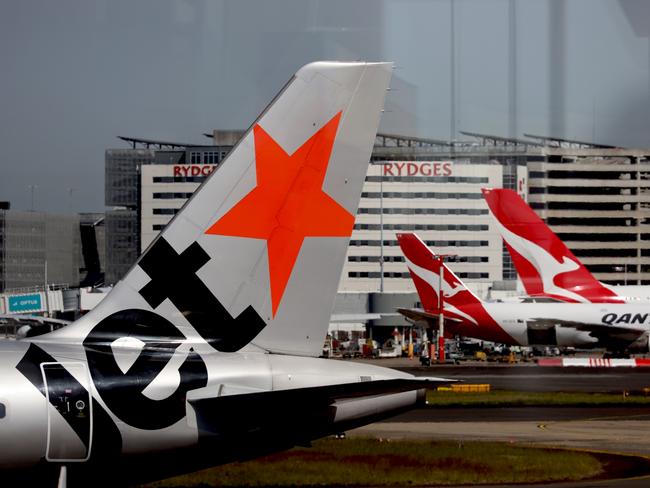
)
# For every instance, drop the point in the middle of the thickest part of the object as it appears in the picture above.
(424, 267)
(459, 302)
(545, 265)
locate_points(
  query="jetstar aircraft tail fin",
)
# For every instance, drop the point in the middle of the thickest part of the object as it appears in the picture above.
(424, 267)
(254, 257)
(546, 266)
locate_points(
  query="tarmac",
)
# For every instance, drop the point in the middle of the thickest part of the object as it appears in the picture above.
(529, 376)
(617, 436)
(604, 436)
(617, 430)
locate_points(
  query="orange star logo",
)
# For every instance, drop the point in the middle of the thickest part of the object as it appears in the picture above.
(288, 203)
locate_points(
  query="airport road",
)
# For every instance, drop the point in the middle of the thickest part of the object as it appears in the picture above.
(536, 378)
(529, 376)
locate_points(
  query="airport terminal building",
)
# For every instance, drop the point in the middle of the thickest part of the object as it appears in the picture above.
(595, 197)
(45, 258)
(438, 196)
(145, 186)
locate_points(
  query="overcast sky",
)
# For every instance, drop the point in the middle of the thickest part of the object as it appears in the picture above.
(77, 73)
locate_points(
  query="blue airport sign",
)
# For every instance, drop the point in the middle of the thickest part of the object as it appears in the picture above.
(24, 303)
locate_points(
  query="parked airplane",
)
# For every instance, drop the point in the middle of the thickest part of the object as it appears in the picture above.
(206, 351)
(616, 327)
(547, 267)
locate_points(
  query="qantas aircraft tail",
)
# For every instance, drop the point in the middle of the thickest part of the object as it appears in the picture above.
(546, 266)
(424, 267)
(255, 256)
(464, 312)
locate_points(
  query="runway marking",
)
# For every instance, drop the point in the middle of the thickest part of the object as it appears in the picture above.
(610, 417)
(545, 426)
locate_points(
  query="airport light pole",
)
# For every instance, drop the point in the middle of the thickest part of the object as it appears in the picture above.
(441, 306)
(47, 294)
(381, 230)
(70, 190)
(32, 188)
(381, 164)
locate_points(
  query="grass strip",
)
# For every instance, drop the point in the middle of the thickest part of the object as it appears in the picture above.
(373, 462)
(503, 398)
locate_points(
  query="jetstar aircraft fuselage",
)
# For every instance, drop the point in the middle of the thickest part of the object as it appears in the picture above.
(205, 352)
(96, 403)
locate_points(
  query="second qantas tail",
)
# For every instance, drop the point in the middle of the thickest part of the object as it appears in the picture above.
(546, 266)
(463, 310)
(424, 268)
(254, 257)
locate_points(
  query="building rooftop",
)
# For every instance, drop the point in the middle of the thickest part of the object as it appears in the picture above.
(385, 140)
(147, 143)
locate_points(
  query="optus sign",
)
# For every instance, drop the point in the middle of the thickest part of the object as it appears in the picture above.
(24, 303)
(417, 168)
(193, 169)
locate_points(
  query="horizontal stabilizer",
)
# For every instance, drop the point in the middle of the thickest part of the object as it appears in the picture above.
(419, 315)
(261, 411)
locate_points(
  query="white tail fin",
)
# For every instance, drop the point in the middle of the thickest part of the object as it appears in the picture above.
(255, 255)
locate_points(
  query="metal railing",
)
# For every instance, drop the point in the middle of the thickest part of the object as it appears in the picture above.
(36, 288)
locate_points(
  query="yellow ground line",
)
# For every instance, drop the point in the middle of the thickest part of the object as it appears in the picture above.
(607, 418)
(592, 419)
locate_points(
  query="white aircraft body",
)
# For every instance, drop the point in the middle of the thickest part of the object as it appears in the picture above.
(617, 327)
(546, 266)
(206, 352)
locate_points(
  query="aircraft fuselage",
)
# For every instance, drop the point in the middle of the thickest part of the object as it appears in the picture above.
(71, 404)
(559, 324)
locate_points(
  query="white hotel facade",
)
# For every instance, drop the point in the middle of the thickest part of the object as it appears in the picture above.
(439, 200)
